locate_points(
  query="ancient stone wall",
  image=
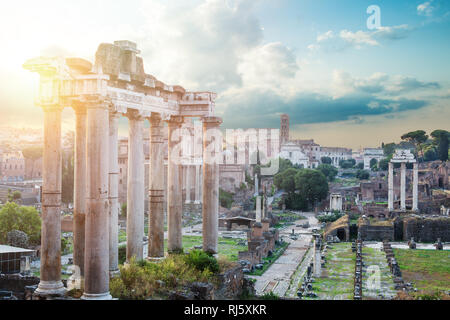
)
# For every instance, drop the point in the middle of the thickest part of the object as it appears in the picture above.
(376, 232)
(426, 229)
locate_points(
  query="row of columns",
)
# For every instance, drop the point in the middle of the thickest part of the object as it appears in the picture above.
(96, 206)
(191, 182)
(415, 204)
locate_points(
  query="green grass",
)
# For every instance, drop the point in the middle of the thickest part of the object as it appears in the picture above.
(228, 248)
(337, 275)
(428, 270)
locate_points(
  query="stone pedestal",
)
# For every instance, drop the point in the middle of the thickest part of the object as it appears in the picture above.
(96, 264)
(50, 283)
(156, 189)
(174, 186)
(212, 140)
(113, 193)
(79, 197)
(391, 187)
(135, 191)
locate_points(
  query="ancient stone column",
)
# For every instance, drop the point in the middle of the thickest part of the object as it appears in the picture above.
(135, 187)
(113, 193)
(211, 155)
(317, 257)
(403, 187)
(197, 184)
(50, 282)
(258, 209)
(391, 187)
(96, 262)
(188, 184)
(79, 194)
(174, 186)
(156, 188)
(415, 205)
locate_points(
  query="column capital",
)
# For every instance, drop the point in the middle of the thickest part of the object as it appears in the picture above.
(175, 121)
(114, 114)
(133, 114)
(212, 121)
(96, 102)
(51, 107)
(155, 119)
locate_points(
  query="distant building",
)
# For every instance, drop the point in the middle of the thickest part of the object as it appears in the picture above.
(336, 154)
(12, 166)
(284, 129)
(294, 153)
(372, 153)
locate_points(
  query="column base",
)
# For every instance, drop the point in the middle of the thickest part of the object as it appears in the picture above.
(114, 273)
(46, 288)
(155, 259)
(197, 202)
(96, 296)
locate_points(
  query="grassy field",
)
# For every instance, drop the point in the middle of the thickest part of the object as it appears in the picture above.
(428, 270)
(336, 282)
(226, 247)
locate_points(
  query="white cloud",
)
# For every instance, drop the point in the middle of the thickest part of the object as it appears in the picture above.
(359, 39)
(425, 9)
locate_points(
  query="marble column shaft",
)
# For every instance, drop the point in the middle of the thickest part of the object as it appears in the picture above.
(113, 192)
(415, 205)
(96, 263)
(403, 186)
(174, 186)
(135, 188)
(50, 277)
(391, 187)
(210, 208)
(79, 197)
(156, 188)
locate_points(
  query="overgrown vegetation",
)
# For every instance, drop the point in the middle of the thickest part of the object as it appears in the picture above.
(141, 280)
(225, 198)
(268, 261)
(25, 219)
(330, 218)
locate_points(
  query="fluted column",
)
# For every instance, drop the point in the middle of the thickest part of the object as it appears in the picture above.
(113, 193)
(96, 263)
(188, 184)
(391, 187)
(415, 205)
(156, 188)
(210, 207)
(403, 186)
(197, 184)
(50, 278)
(135, 188)
(79, 196)
(174, 186)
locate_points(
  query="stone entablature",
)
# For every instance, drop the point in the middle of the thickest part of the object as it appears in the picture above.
(403, 156)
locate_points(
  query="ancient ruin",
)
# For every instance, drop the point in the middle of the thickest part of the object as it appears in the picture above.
(100, 93)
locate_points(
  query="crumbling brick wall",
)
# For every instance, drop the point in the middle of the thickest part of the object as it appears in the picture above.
(426, 229)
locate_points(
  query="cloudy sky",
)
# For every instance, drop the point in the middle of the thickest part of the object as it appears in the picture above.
(342, 83)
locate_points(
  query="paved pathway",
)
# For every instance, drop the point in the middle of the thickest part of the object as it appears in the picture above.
(278, 276)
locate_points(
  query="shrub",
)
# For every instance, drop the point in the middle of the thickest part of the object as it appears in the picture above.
(25, 219)
(122, 254)
(225, 198)
(18, 239)
(202, 261)
(270, 296)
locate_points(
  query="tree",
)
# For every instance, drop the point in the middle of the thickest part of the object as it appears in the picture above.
(326, 160)
(362, 174)
(285, 180)
(346, 164)
(312, 185)
(328, 170)
(441, 140)
(284, 164)
(430, 155)
(360, 165)
(383, 164)
(25, 219)
(389, 149)
(417, 138)
(373, 162)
